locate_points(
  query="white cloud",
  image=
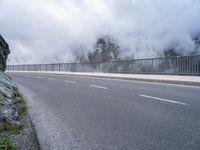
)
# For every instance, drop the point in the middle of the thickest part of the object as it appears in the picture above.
(49, 30)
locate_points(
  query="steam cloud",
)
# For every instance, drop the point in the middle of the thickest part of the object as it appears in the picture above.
(43, 31)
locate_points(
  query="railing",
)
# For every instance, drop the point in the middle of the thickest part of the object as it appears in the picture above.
(186, 65)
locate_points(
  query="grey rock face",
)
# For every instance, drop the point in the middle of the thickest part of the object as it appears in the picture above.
(7, 88)
(4, 51)
(7, 99)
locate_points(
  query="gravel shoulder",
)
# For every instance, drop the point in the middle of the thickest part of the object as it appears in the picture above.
(27, 139)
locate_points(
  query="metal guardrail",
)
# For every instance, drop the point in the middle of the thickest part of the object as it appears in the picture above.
(186, 65)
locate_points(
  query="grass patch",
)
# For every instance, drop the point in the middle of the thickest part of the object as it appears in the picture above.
(4, 126)
(6, 144)
(7, 131)
(16, 130)
(21, 107)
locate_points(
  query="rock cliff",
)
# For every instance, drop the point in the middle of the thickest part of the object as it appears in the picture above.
(4, 51)
(7, 88)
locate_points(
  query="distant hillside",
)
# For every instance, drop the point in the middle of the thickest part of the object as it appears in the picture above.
(107, 49)
(174, 52)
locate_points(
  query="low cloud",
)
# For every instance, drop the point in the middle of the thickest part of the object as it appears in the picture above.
(51, 30)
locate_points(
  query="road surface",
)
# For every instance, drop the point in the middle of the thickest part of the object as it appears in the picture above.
(83, 113)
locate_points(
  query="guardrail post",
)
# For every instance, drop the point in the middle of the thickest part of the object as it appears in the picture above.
(198, 66)
(177, 65)
(101, 70)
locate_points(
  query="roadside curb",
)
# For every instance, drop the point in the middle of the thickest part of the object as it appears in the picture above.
(139, 79)
(147, 78)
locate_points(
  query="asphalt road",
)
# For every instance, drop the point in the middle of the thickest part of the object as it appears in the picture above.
(80, 113)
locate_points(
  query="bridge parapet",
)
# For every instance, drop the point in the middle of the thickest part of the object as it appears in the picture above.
(184, 65)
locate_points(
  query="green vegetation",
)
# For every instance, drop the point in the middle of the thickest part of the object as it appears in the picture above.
(21, 107)
(6, 144)
(4, 126)
(7, 131)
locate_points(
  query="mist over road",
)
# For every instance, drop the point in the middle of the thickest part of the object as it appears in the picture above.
(82, 113)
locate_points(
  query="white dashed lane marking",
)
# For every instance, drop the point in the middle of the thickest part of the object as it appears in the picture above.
(100, 87)
(52, 79)
(68, 81)
(38, 77)
(163, 99)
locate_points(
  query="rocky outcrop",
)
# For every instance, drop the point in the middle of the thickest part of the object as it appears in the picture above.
(7, 88)
(7, 99)
(4, 51)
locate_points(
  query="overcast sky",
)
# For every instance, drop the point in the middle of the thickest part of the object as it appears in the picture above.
(40, 31)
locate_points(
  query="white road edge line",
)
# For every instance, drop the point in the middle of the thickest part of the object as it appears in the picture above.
(135, 81)
(51, 79)
(164, 100)
(100, 87)
(68, 81)
(38, 77)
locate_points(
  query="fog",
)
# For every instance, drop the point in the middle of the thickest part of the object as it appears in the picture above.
(51, 31)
